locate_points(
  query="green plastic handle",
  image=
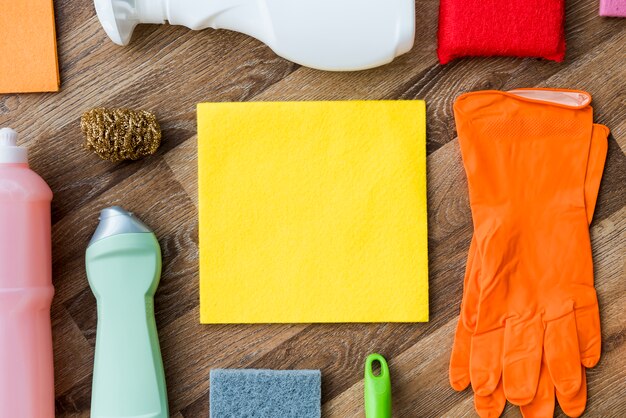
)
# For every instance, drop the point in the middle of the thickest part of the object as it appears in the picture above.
(377, 389)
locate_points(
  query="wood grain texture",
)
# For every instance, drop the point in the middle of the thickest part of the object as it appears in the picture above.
(168, 70)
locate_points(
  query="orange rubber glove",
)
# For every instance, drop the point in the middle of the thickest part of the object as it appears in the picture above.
(543, 403)
(524, 238)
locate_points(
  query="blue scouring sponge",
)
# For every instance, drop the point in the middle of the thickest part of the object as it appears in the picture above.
(265, 393)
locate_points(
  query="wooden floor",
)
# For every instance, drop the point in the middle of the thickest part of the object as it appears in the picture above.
(169, 70)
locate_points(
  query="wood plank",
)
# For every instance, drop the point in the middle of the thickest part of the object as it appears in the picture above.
(169, 70)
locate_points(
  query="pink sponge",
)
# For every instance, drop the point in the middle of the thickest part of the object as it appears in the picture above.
(520, 28)
(615, 8)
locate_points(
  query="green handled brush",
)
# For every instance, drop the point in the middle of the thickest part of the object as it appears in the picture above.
(377, 388)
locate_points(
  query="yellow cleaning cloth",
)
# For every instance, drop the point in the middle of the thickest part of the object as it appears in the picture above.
(313, 212)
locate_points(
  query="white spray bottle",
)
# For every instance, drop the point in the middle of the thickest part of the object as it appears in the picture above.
(333, 35)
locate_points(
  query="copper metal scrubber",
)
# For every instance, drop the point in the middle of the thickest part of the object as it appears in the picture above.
(120, 134)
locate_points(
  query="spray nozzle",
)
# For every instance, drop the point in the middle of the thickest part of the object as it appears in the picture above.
(119, 17)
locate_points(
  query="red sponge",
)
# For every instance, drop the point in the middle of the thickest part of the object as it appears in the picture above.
(520, 28)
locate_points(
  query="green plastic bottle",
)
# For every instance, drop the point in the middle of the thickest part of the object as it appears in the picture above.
(123, 263)
(377, 388)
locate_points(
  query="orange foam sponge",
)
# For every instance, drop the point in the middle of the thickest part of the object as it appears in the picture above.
(28, 47)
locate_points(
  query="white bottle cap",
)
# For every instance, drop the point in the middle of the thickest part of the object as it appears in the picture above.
(10, 153)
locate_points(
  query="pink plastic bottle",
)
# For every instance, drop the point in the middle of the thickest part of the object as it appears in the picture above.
(26, 364)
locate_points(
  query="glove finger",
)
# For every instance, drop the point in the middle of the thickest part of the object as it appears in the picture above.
(491, 406)
(563, 354)
(486, 361)
(542, 404)
(460, 358)
(575, 406)
(523, 343)
(588, 319)
(589, 334)
(471, 288)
